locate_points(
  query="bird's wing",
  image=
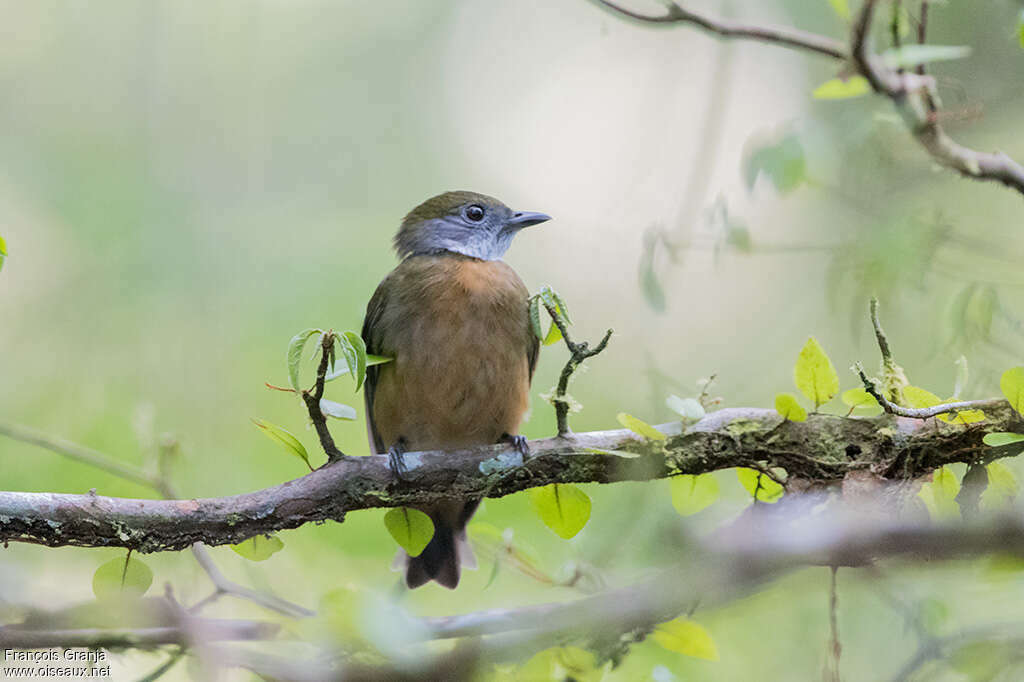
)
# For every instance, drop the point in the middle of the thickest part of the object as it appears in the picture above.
(371, 337)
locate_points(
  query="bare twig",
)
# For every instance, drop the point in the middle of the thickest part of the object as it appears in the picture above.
(910, 92)
(779, 35)
(578, 352)
(923, 412)
(312, 400)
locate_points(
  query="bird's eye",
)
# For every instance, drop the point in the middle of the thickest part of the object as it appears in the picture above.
(474, 213)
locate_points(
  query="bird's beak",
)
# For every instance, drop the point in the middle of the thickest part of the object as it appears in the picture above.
(526, 218)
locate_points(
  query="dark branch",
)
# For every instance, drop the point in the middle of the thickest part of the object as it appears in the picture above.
(578, 352)
(817, 450)
(312, 399)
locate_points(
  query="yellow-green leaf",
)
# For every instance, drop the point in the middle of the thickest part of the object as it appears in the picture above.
(295, 347)
(285, 438)
(686, 637)
(1012, 385)
(538, 331)
(259, 547)
(919, 398)
(411, 528)
(639, 426)
(554, 335)
(561, 663)
(789, 408)
(962, 416)
(690, 494)
(122, 577)
(858, 398)
(837, 88)
(1001, 438)
(814, 374)
(1002, 488)
(761, 487)
(939, 495)
(562, 507)
(3, 252)
(841, 8)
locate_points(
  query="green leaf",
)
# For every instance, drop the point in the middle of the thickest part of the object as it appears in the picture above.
(411, 529)
(689, 408)
(259, 547)
(562, 306)
(329, 408)
(837, 88)
(342, 370)
(122, 577)
(1012, 385)
(358, 364)
(1002, 488)
(939, 495)
(814, 374)
(789, 408)
(559, 663)
(554, 335)
(639, 427)
(920, 398)
(538, 331)
(1002, 438)
(284, 438)
(760, 487)
(3, 252)
(295, 347)
(841, 8)
(562, 507)
(858, 398)
(781, 161)
(1020, 29)
(911, 55)
(691, 494)
(686, 637)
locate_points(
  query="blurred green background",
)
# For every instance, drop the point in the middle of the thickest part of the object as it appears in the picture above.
(184, 186)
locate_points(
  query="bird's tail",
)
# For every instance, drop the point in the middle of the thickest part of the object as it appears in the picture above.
(443, 557)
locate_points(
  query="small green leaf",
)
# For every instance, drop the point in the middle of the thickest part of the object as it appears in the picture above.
(837, 88)
(295, 347)
(1012, 385)
(358, 346)
(939, 495)
(259, 547)
(911, 55)
(329, 408)
(789, 408)
(841, 8)
(562, 306)
(538, 331)
(548, 297)
(411, 529)
(920, 398)
(780, 160)
(285, 438)
(554, 335)
(3, 252)
(1020, 29)
(1002, 488)
(563, 508)
(688, 408)
(342, 370)
(858, 398)
(691, 494)
(761, 487)
(1002, 438)
(686, 637)
(814, 374)
(121, 577)
(640, 427)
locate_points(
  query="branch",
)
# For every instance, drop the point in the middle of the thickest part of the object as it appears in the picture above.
(823, 449)
(107, 638)
(312, 399)
(578, 352)
(923, 412)
(779, 35)
(910, 92)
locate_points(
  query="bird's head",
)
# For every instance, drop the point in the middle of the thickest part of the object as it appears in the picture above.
(472, 224)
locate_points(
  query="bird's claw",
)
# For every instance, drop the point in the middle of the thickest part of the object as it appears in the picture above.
(396, 461)
(521, 445)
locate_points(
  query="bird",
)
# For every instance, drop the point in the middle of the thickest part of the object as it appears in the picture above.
(454, 319)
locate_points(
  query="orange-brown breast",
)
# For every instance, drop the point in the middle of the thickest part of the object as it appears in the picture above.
(459, 332)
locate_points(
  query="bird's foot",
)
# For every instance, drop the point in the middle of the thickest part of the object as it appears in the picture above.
(396, 460)
(520, 443)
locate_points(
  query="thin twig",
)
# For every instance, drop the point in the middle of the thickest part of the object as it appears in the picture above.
(578, 352)
(923, 412)
(312, 400)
